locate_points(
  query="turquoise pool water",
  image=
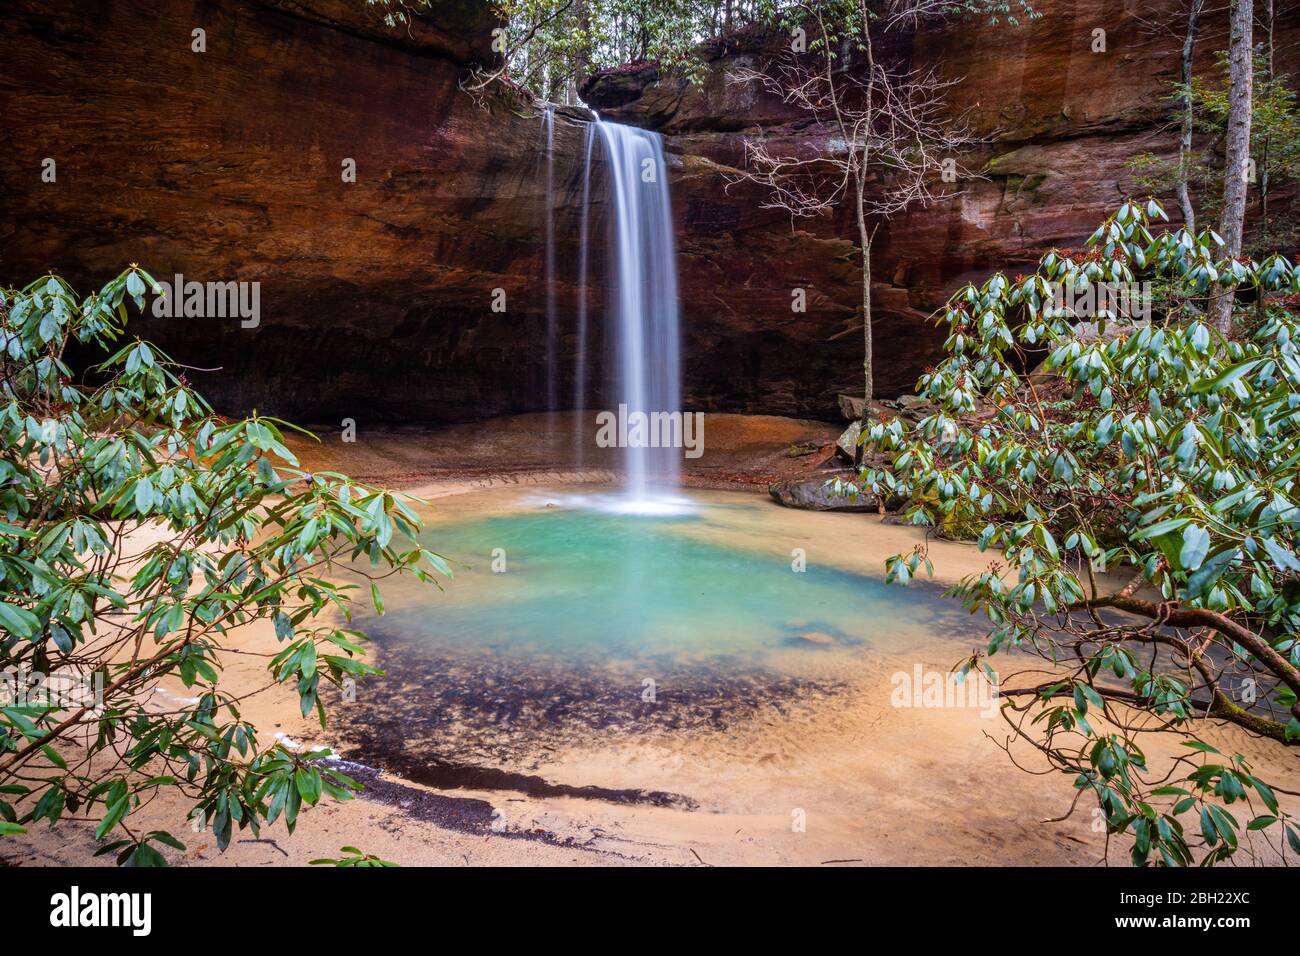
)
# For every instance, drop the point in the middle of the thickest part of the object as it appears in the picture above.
(600, 625)
(563, 581)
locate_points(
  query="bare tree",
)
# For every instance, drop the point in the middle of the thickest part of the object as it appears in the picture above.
(1268, 77)
(1237, 154)
(1185, 134)
(872, 116)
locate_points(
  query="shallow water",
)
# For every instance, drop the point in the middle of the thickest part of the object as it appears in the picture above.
(570, 625)
(568, 580)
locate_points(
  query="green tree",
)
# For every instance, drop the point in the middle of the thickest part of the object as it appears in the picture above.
(1171, 459)
(137, 530)
(549, 46)
(1274, 152)
(1274, 142)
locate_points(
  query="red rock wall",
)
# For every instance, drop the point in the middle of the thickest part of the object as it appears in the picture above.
(375, 296)
(1057, 123)
(226, 165)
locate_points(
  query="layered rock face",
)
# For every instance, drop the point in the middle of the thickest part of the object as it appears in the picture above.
(227, 165)
(1057, 105)
(376, 296)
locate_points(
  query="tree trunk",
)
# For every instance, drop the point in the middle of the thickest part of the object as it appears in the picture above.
(1185, 138)
(868, 381)
(1240, 73)
(1262, 160)
(582, 56)
(864, 239)
(1265, 239)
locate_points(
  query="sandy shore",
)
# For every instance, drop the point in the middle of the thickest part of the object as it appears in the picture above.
(840, 778)
(739, 451)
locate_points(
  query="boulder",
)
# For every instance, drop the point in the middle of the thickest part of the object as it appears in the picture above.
(816, 493)
(847, 443)
(851, 406)
(1091, 333)
(912, 408)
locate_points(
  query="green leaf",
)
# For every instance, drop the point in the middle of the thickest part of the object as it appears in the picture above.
(1160, 527)
(1284, 558)
(1196, 544)
(1224, 378)
(116, 811)
(54, 757)
(19, 621)
(1210, 572)
(1208, 831)
(161, 836)
(145, 856)
(308, 782)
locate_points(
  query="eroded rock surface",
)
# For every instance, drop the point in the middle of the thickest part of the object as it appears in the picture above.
(376, 295)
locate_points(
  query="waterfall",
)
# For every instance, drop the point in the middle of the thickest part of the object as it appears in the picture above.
(580, 369)
(643, 315)
(552, 384)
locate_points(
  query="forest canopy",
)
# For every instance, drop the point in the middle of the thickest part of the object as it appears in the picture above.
(549, 46)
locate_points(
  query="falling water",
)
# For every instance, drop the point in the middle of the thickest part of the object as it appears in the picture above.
(552, 386)
(643, 315)
(580, 370)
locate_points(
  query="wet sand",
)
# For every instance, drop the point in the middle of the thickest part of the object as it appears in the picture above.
(739, 451)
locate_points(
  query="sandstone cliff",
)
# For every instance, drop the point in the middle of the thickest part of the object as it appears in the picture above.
(1056, 124)
(376, 295)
